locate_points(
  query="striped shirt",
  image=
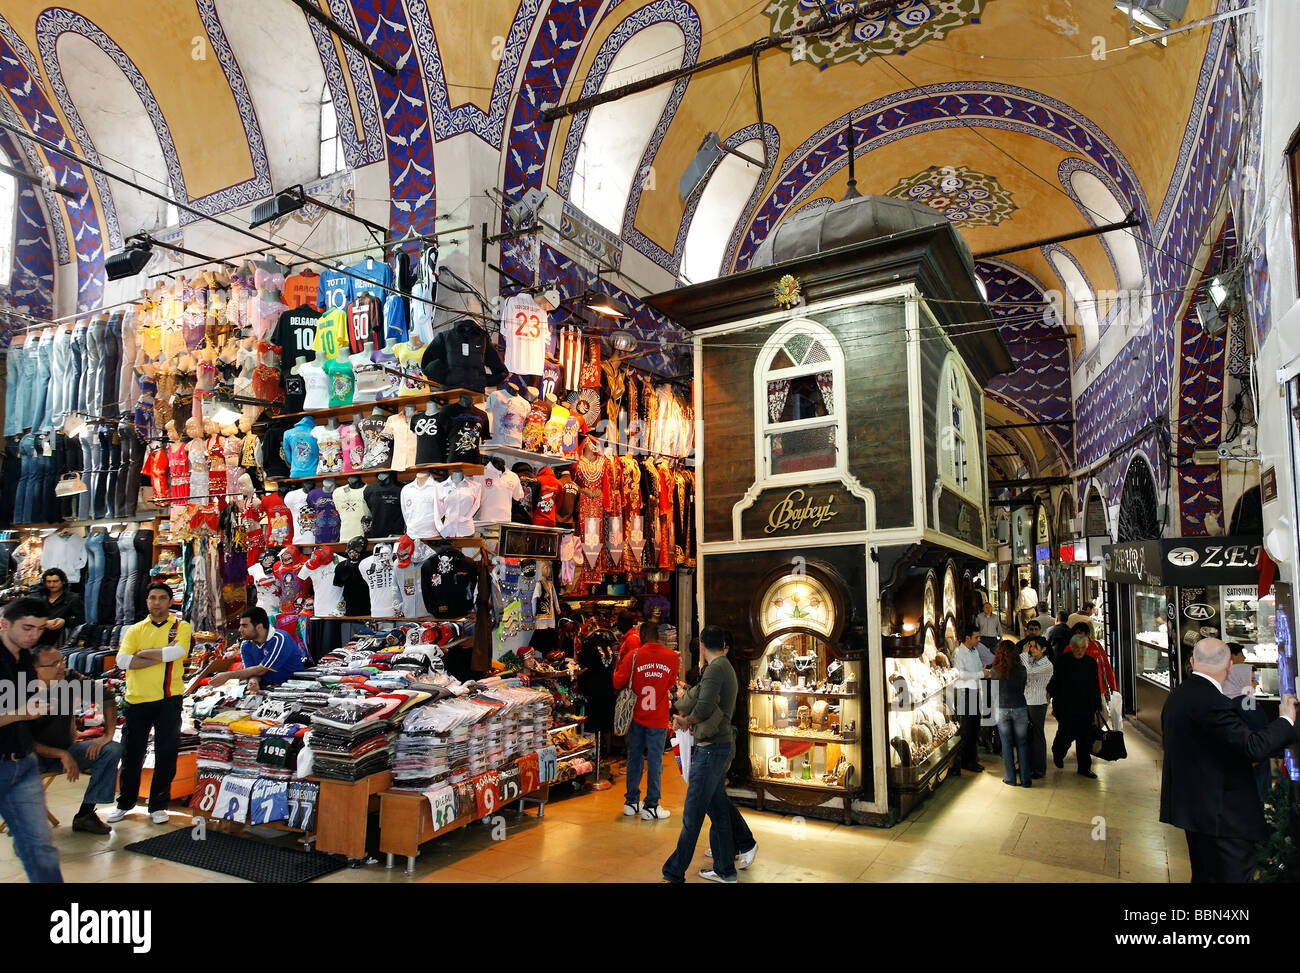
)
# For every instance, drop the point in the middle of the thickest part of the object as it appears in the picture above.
(1039, 674)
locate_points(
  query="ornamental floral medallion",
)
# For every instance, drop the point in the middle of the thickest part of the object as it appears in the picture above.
(961, 194)
(898, 30)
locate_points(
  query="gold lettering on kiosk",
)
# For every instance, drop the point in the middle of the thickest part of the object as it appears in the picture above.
(795, 509)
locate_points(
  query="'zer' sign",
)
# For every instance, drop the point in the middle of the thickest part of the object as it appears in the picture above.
(1185, 561)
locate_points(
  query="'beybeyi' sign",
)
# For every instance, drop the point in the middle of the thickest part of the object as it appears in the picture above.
(799, 508)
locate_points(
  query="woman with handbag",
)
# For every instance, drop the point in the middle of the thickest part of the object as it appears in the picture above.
(1013, 712)
(1039, 669)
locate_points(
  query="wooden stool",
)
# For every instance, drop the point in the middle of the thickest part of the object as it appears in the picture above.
(48, 779)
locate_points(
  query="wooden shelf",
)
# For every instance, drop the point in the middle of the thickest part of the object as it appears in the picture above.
(801, 784)
(389, 618)
(459, 542)
(370, 476)
(338, 411)
(801, 692)
(847, 741)
(514, 452)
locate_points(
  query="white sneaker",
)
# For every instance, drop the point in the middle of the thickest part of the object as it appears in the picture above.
(653, 813)
(712, 876)
(743, 860)
(159, 817)
(631, 810)
(116, 815)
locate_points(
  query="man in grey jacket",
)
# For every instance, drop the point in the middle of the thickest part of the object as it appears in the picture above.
(707, 710)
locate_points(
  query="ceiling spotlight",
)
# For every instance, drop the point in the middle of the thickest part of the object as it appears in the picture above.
(1153, 14)
(709, 152)
(1212, 322)
(623, 341)
(605, 305)
(1224, 291)
(281, 204)
(130, 261)
(524, 212)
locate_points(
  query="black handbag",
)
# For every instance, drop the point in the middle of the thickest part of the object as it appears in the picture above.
(1107, 744)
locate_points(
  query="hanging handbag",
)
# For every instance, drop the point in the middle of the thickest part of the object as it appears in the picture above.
(1108, 744)
(625, 704)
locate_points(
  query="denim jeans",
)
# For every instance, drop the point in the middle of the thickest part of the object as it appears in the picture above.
(1013, 726)
(101, 788)
(95, 564)
(22, 806)
(42, 398)
(13, 367)
(1038, 739)
(741, 837)
(651, 741)
(706, 794)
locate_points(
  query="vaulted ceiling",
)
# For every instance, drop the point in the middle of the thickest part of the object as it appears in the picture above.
(1019, 119)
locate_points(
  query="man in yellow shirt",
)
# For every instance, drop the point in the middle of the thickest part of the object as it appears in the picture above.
(152, 653)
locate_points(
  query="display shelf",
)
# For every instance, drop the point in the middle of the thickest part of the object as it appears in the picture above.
(403, 476)
(918, 775)
(801, 692)
(136, 518)
(1155, 678)
(806, 737)
(515, 453)
(807, 785)
(567, 726)
(576, 753)
(898, 707)
(389, 618)
(459, 542)
(421, 398)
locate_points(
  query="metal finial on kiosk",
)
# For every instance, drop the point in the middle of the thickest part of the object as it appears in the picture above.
(852, 191)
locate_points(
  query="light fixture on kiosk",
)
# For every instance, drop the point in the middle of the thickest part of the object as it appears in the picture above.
(605, 305)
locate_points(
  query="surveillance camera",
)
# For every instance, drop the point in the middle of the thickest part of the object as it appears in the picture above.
(1225, 451)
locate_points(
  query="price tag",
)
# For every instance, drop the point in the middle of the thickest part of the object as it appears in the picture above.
(464, 349)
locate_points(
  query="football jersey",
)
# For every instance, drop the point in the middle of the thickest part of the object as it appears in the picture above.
(395, 329)
(233, 798)
(351, 506)
(330, 447)
(207, 785)
(442, 806)
(335, 291)
(295, 332)
(327, 515)
(302, 448)
(301, 289)
(378, 277)
(304, 517)
(328, 596)
(279, 522)
(269, 800)
(527, 334)
(428, 444)
(365, 323)
(485, 793)
(304, 795)
(378, 572)
(331, 339)
(338, 375)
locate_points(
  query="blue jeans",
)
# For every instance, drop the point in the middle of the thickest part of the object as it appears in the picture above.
(706, 793)
(22, 805)
(1013, 727)
(101, 788)
(643, 738)
(95, 564)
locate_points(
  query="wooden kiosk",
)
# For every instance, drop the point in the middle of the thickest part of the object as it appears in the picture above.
(842, 506)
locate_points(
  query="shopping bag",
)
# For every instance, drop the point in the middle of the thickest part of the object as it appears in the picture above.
(1107, 744)
(1116, 706)
(683, 744)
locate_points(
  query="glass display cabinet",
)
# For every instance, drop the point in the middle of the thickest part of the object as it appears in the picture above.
(805, 704)
(1151, 625)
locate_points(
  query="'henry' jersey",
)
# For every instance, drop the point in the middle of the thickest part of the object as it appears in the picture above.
(527, 334)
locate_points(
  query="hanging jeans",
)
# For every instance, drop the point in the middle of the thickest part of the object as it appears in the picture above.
(13, 366)
(108, 586)
(94, 576)
(27, 383)
(112, 365)
(45, 503)
(127, 492)
(143, 560)
(130, 576)
(12, 470)
(94, 378)
(77, 391)
(86, 443)
(42, 413)
(28, 479)
(61, 378)
(100, 490)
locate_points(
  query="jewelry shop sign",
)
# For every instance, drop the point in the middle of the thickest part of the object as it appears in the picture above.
(822, 508)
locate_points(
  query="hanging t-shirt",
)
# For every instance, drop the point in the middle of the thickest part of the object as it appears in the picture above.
(279, 521)
(407, 581)
(331, 339)
(547, 498)
(553, 431)
(66, 551)
(316, 386)
(350, 503)
(353, 452)
(420, 508)
(328, 596)
(301, 289)
(404, 441)
(365, 323)
(338, 373)
(498, 490)
(301, 448)
(428, 444)
(394, 319)
(330, 447)
(376, 444)
(267, 589)
(327, 516)
(356, 593)
(295, 391)
(448, 581)
(527, 334)
(295, 332)
(465, 433)
(378, 277)
(507, 413)
(384, 501)
(336, 289)
(408, 360)
(304, 517)
(293, 589)
(378, 572)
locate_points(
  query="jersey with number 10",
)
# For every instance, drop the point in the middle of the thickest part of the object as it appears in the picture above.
(527, 333)
(331, 334)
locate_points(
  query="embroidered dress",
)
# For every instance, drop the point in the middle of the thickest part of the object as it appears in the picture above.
(593, 500)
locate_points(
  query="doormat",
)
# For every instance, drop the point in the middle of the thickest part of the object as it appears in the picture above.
(1068, 844)
(246, 858)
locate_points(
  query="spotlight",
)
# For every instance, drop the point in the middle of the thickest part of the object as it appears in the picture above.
(706, 156)
(606, 306)
(281, 204)
(130, 261)
(1153, 14)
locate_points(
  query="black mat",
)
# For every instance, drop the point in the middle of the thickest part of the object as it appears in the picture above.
(246, 858)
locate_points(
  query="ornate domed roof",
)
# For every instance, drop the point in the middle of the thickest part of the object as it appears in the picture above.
(853, 220)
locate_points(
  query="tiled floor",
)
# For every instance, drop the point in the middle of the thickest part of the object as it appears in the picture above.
(958, 835)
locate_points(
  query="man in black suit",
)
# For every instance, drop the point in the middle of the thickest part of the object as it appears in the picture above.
(1207, 786)
(1075, 689)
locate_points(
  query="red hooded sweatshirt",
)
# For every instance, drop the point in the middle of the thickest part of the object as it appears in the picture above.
(654, 678)
(547, 497)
